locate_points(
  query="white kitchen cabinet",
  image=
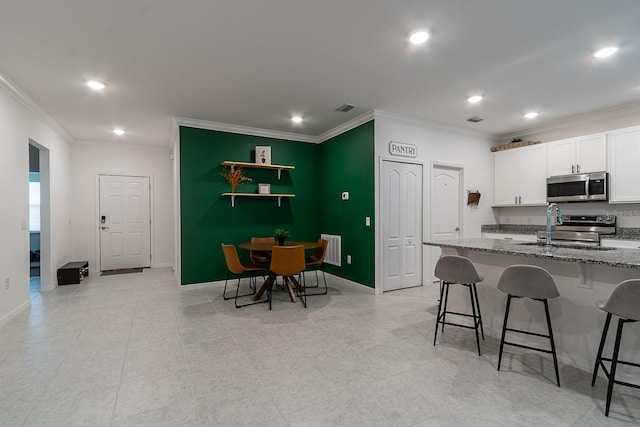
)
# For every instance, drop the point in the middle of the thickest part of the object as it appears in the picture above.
(519, 176)
(577, 155)
(624, 170)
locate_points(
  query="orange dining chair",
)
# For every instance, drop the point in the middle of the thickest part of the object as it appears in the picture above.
(315, 263)
(288, 261)
(261, 257)
(240, 270)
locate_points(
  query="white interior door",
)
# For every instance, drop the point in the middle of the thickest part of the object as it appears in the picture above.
(445, 208)
(125, 222)
(401, 225)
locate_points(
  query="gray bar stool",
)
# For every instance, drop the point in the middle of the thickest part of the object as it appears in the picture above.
(453, 269)
(528, 281)
(624, 302)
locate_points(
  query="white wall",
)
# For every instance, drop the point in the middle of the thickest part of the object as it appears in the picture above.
(438, 144)
(92, 159)
(20, 121)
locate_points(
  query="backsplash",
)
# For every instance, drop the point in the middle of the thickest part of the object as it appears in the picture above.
(627, 215)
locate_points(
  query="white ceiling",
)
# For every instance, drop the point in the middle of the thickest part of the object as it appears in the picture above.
(255, 63)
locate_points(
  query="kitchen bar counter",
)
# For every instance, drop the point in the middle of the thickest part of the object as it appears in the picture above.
(614, 257)
(583, 277)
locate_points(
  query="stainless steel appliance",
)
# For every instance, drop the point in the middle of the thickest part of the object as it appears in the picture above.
(579, 187)
(580, 230)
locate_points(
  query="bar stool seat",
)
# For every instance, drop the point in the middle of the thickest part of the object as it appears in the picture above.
(624, 303)
(453, 269)
(528, 281)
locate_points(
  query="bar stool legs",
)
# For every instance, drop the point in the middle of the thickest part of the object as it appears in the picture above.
(475, 312)
(611, 375)
(505, 328)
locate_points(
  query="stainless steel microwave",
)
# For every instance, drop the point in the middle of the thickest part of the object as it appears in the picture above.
(579, 187)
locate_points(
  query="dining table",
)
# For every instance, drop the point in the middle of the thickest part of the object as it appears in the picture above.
(289, 282)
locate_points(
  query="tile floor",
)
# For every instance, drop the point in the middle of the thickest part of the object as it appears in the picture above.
(136, 350)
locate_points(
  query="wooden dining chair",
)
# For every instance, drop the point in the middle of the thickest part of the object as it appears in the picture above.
(261, 257)
(315, 263)
(288, 261)
(240, 270)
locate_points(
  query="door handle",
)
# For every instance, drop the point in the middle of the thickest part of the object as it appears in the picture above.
(572, 169)
(457, 228)
(578, 168)
(519, 200)
(104, 227)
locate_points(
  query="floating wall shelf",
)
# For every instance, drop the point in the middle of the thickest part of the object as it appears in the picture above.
(279, 168)
(234, 195)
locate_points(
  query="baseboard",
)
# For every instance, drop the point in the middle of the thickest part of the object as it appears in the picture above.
(14, 312)
(352, 284)
(162, 265)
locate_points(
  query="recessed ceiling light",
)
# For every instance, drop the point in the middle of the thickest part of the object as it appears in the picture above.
(607, 51)
(95, 85)
(296, 119)
(118, 131)
(418, 37)
(531, 115)
(474, 99)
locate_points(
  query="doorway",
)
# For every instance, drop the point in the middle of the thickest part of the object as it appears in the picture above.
(125, 222)
(39, 220)
(401, 198)
(446, 197)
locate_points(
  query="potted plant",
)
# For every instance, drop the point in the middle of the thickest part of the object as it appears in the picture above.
(281, 234)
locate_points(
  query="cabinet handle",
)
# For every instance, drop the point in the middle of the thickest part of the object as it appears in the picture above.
(515, 200)
(519, 200)
(578, 168)
(572, 169)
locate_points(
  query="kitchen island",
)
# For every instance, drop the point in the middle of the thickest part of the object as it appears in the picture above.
(583, 276)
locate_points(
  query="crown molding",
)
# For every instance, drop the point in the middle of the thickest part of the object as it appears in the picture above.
(618, 110)
(244, 130)
(19, 95)
(121, 145)
(351, 124)
(413, 121)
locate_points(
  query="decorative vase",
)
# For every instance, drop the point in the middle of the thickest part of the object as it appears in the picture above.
(281, 241)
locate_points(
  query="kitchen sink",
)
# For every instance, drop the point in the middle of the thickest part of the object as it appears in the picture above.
(568, 246)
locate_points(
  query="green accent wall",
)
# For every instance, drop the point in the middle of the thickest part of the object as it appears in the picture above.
(348, 165)
(322, 172)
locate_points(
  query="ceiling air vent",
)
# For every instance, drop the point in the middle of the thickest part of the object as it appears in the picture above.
(346, 107)
(475, 119)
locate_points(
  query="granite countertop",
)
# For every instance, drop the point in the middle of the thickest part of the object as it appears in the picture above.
(625, 258)
(626, 233)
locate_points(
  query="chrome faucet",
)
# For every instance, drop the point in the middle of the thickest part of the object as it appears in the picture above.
(550, 210)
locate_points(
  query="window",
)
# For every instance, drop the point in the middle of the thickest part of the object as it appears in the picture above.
(34, 201)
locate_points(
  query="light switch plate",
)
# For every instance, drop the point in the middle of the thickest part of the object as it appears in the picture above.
(367, 221)
(345, 195)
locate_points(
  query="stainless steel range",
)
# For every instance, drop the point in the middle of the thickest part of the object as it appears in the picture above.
(582, 230)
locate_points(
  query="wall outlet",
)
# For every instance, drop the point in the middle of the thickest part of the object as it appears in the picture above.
(348, 259)
(345, 195)
(367, 221)
(7, 283)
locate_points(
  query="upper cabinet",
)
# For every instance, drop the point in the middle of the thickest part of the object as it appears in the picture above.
(577, 155)
(624, 173)
(520, 176)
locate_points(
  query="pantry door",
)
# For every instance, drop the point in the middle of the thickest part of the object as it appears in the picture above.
(125, 222)
(401, 224)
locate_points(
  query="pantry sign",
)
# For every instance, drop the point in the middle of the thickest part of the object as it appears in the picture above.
(402, 150)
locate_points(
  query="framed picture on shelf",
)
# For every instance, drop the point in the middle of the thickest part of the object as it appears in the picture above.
(263, 155)
(264, 188)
